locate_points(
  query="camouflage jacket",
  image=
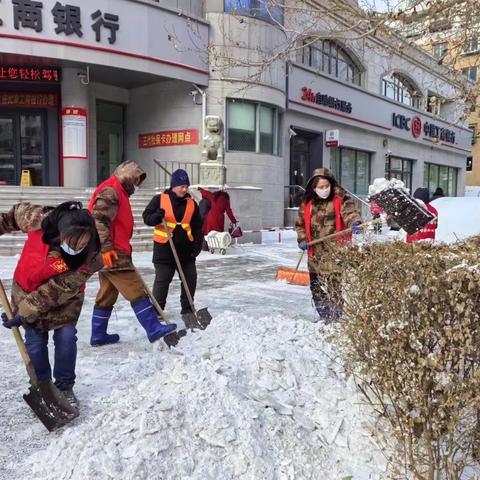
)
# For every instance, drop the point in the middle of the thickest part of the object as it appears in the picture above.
(58, 301)
(323, 224)
(106, 205)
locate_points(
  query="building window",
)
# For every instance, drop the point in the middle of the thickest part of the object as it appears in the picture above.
(470, 73)
(399, 168)
(440, 50)
(469, 164)
(473, 128)
(435, 176)
(252, 127)
(351, 168)
(260, 9)
(471, 45)
(434, 103)
(399, 88)
(328, 57)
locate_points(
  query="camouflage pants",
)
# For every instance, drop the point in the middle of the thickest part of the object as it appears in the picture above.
(326, 289)
(112, 282)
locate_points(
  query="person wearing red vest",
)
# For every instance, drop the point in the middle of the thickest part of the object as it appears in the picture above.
(326, 209)
(110, 206)
(60, 254)
(428, 231)
(183, 221)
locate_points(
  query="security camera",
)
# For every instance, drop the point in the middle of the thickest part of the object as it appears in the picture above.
(388, 153)
(292, 132)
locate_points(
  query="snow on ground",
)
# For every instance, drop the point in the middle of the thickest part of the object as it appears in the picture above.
(458, 218)
(259, 395)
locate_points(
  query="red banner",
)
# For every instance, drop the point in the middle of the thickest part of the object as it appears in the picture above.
(169, 138)
(32, 100)
(29, 74)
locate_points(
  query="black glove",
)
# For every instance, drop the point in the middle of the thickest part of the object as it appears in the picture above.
(158, 216)
(16, 321)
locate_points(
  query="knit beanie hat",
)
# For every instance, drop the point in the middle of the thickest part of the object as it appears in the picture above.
(179, 177)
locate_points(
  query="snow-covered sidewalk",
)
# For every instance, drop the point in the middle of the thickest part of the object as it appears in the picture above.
(258, 395)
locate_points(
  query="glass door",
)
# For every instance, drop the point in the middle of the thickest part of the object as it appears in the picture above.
(8, 174)
(22, 147)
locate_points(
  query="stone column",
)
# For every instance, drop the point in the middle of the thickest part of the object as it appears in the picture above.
(75, 94)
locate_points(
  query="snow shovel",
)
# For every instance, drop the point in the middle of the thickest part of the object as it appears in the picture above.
(173, 338)
(44, 398)
(403, 208)
(294, 276)
(198, 318)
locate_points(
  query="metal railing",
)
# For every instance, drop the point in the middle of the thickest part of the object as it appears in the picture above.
(163, 171)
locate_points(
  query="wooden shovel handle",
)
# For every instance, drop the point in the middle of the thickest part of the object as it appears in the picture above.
(18, 336)
(343, 232)
(153, 299)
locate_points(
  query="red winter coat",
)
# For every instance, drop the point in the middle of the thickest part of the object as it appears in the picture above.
(428, 231)
(220, 205)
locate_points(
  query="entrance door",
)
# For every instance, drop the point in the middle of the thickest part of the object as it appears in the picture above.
(305, 156)
(110, 138)
(22, 147)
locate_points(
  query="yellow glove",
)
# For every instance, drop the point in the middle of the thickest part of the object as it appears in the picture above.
(108, 257)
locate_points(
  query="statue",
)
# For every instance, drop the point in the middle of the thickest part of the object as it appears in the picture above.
(213, 150)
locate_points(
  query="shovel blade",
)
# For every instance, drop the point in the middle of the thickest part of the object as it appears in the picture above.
(204, 318)
(50, 406)
(173, 338)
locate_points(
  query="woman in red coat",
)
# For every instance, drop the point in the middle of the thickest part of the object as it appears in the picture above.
(428, 231)
(220, 205)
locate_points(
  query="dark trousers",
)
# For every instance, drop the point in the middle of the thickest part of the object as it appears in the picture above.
(65, 342)
(325, 290)
(163, 277)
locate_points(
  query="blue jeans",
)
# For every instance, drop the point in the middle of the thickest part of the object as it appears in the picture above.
(65, 341)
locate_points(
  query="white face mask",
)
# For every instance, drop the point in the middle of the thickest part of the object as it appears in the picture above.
(136, 189)
(323, 192)
(69, 250)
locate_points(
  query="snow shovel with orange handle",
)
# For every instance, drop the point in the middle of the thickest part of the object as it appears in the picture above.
(294, 276)
(44, 398)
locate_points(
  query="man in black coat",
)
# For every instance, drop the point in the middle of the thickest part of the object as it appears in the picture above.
(184, 223)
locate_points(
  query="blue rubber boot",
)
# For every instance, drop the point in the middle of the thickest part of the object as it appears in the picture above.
(100, 319)
(148, 318)
(327, 313)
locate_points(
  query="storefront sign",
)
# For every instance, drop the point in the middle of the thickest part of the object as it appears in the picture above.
(370, 112)
(414, 124)
(29, 14)
(308, 95)
(74, 128)
(29, 74)
(168, 138)
(32, 100)
(332, 138)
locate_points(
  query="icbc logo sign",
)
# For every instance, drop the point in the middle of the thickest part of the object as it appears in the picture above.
(413, 124)
(416, 127)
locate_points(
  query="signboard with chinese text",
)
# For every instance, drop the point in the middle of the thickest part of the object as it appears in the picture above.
(169, 138)
(74, 128)
(29, 74)
(332, 138)
(74, 30)
(28, 100)
(344, 104)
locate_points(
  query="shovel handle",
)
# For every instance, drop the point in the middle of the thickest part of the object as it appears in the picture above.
(343, 232)
(179, 266)
(18, 337)
(153, 299)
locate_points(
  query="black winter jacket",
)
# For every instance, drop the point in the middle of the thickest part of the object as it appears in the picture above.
(187, 250)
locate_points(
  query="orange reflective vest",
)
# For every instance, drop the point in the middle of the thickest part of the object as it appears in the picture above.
(159, 233)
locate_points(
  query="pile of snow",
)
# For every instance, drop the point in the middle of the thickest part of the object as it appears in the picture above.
(381, 184)
(263, 398)
(458, 218)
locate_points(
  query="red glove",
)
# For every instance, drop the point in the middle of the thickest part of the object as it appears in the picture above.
(108, 258)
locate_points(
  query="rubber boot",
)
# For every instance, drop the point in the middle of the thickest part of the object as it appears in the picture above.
(147, 316)
(327, 313)
(100, 319)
